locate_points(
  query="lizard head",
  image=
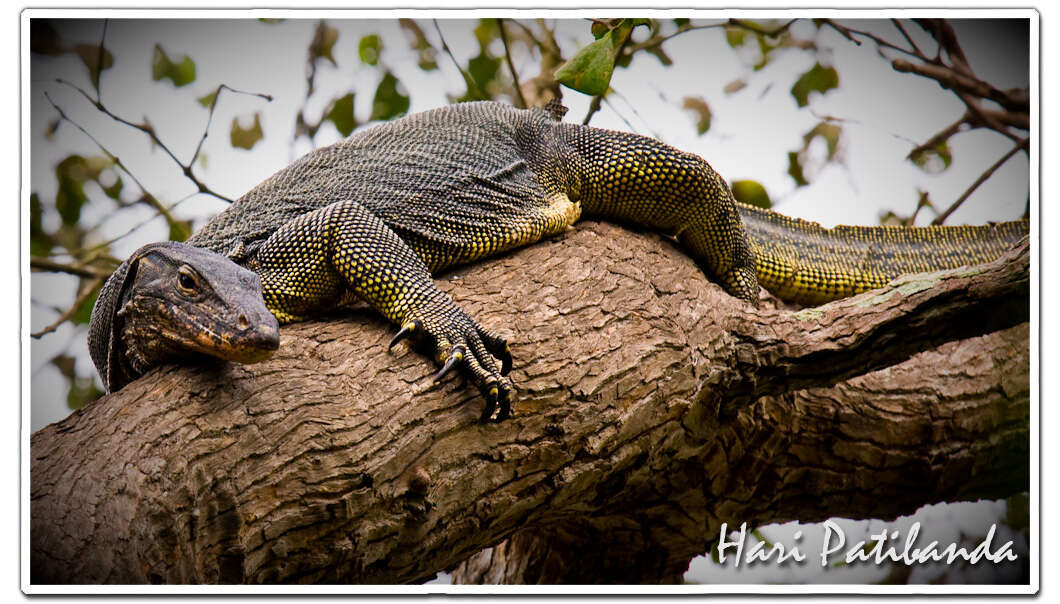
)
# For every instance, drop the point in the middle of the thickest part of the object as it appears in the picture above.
(172, 300)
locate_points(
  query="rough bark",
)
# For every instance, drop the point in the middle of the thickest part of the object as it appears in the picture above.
(652, 407)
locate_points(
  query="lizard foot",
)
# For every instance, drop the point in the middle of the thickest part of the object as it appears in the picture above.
(456, 340)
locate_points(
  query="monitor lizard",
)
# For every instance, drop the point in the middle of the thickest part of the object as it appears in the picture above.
(374, 216)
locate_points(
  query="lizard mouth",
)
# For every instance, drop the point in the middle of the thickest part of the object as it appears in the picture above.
(252, 344)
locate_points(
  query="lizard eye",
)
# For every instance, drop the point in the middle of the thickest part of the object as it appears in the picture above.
(186, 280)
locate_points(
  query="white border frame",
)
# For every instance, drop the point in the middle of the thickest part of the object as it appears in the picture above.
(1034, 532)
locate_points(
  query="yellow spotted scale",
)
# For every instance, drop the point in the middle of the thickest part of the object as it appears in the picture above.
(376, 214)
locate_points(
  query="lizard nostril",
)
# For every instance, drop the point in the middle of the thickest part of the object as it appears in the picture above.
(243, 323)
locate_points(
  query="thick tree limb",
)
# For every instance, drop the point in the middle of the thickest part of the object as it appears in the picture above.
(640, 423)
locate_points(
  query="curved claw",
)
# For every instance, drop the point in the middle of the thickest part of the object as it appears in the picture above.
(455, 357)
(506, 360)
(505, 401)
(499, 401)
(406, 331)
(491, 404)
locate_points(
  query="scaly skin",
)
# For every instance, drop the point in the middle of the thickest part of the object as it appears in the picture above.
(171, 301)
(376, 214)
(802, 262)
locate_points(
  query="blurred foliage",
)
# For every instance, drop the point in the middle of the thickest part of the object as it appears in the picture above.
(818, 79)
(424, 50)
(246, 137)
(390, 100)
(340, 113)
(93, 57)
(324, 38)
(589, 70)
(369, 48)
(803, 165)
(180, 73)
(208, 100)
(932, 159)
(701, 110)
(752, 193)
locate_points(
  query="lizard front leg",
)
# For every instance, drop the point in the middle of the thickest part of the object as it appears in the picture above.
(311, 262)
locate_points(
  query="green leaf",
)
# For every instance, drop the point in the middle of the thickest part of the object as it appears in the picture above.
(82, 392)
(40, 243)
(735, 36)
(795, 169)
(1017, 512)
(324, 38)
(819, 78)
(53, 126)
(83, 313)
(70, 196)
(734, 86)
(208, 100)
(179, 230)
(180, 73)
(341, 114)
(113, 190)
(829, 132)
(89, 54)
(589, 70)
(932, 160)
(483, 69)
(659, 53)
(681, 22)
(701, 110)
(369, 48)
(752, 193)
(43, 39)
(390, 99)
(246, 138)
(420, 44)
(485, 32)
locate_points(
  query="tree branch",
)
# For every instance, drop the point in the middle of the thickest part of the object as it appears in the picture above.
(338, 462)
(941, 218)
(511, 66)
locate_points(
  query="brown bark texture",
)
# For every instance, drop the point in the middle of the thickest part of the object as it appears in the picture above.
(652, 407)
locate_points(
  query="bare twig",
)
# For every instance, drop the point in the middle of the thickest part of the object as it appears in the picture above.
(468, 82)
(185, 168)
(594, 106)
(83, 252)
(849, 34)
(949, 77)
(86, 291)
(632, 108)
(99, 64)
(982, 178)
(659, 40)
(81, 270)
(209, 120)
(511, 65)
(770, 33)
(940, 137)
(912, 44)
(147, 196)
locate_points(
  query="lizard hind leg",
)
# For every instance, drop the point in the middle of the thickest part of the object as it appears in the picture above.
(639, 180)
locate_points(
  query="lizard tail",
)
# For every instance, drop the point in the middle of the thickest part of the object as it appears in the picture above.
(801, 261)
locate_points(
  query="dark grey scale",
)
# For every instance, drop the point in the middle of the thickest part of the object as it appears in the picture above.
(374, 215)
